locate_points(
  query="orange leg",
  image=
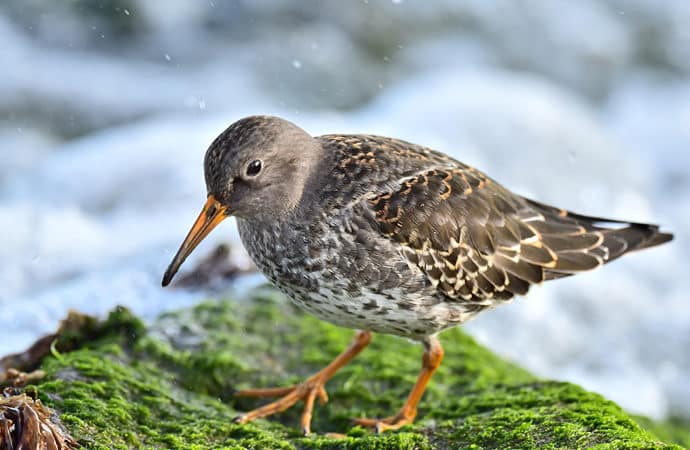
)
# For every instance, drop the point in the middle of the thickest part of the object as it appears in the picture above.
(308, 391)
(433, 354)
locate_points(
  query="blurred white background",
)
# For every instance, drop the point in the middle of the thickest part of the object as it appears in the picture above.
(107, 107)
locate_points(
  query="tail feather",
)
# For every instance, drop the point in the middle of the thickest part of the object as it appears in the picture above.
(655, 237)
(593, 241)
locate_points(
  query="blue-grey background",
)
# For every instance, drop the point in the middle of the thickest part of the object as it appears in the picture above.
(106, 109)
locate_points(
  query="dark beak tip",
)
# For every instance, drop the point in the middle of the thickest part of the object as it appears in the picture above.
(167, 278)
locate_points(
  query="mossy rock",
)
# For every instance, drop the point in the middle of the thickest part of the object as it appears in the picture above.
(171, 386)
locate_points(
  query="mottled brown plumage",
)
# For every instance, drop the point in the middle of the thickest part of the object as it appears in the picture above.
(496, 243)
(476, 241)
(384, 235)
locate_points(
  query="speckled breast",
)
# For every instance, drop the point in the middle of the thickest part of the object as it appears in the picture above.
(339, 281)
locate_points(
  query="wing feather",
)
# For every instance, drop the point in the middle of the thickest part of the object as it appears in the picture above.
(476, 241)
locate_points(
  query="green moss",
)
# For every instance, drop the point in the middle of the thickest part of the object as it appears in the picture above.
(171, 387)
(674, 430)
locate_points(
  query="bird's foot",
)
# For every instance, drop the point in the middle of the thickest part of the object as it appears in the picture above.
(404, 417)
(308, 391)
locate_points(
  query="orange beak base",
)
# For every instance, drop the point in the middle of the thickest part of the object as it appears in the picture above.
(212, 214)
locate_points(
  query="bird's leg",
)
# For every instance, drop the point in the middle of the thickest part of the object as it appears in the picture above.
(308, 390)
(433, 354)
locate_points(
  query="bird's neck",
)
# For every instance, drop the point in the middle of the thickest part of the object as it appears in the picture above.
(316, 177)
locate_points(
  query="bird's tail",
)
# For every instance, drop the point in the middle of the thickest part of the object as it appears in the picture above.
(592, 241)
(654, 238)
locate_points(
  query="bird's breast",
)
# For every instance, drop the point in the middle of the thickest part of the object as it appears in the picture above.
(333, 276)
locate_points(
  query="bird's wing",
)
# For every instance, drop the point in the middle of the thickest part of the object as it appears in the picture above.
(477, 242)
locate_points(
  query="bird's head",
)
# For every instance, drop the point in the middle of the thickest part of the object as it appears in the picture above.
(257, 170)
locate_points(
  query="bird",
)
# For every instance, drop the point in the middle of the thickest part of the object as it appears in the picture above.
(385, 236)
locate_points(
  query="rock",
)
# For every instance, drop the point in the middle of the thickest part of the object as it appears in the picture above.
(171, 385)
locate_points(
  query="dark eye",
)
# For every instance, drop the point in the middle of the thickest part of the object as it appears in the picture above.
(254, 168)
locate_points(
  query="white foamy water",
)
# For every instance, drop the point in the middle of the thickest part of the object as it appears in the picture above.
(90, 222)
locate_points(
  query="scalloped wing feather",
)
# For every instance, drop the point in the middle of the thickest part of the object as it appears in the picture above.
(478, 243)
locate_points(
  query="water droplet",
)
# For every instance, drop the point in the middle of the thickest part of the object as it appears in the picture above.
(167, 57)
(202, 104)
(296, 64)
(126, 11)
(397, 2)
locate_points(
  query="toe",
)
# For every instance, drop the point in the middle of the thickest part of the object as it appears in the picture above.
(381, 425)
(264, 392)
(369, 423)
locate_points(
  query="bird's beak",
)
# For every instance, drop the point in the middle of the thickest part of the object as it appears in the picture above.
(212, 214)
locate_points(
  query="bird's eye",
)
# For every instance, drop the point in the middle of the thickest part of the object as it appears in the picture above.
(253, 168)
